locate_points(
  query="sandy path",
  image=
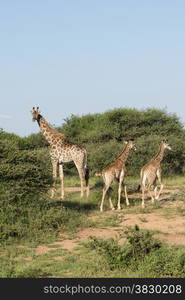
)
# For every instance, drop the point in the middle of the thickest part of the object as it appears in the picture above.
(169, 227)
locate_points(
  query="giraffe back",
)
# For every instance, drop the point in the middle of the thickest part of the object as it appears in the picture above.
(65, 151)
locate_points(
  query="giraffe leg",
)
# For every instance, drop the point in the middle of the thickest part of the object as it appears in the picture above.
(155, 192)
(55, 167)
(161, 185)
(81, 184)
(105, 189)
(143, 188)
(143, 196)
(161, 188)
(150, 193)
(61, 173)
(87, 181)
(126, 195)
(81, 173)
(110, 200)
(119, 189)
(87, 191)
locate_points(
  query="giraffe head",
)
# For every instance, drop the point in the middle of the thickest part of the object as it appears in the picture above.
(165, 144)
(35, 114)
(131, 145)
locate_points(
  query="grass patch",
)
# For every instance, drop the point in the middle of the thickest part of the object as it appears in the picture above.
(175, 182)
(143, 254)
(41, 219)
(27, 222)
(107, 220)
(180, 211)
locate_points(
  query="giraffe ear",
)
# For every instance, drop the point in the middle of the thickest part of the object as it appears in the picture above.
(126, 142)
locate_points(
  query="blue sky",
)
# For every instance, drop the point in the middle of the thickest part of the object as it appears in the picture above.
(87, 56)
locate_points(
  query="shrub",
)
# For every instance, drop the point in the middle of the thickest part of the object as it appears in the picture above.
(121, 123)
(36, 218)
(142, 254)
(141, 242)
(25, 209)
(116, 256)
(23, 171)
(103, 135)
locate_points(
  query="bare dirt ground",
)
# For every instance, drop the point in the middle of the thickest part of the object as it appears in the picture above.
(167, 222)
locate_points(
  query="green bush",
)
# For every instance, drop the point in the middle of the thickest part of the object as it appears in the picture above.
(35, 218)
(121, 124)
(103, 136)
(25, 167)
(33, 141)
(142, 254)
(23, 171)
(164, 262)
(114, 253)
(141, 242)
(25, 177)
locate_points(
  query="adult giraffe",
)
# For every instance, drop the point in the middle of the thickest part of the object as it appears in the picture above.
(62, 151)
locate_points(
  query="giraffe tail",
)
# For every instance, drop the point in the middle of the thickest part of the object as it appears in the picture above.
(138, 188)
(86, 177)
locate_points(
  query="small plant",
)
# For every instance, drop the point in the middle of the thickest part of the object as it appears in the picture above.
(143, 219)
(182, 261)
(116, 255)
(141, 242)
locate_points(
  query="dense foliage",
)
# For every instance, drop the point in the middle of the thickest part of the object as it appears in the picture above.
(27, 212)
(103, 136)
(25, 163)
(143, 253)
(23, 170)
(25, 167)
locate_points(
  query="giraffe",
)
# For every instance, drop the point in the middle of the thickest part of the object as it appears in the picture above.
(116, 170)
(151, 172)
(62, 151)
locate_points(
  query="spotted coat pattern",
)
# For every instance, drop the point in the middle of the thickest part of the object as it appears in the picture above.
(116, 170)
(62, 151)
(151, 172)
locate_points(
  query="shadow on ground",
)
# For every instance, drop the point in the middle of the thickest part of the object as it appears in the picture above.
(73, 205)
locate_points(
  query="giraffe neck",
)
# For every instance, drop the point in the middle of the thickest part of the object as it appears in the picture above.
(124, 155)
(48, 131)
(159, 156)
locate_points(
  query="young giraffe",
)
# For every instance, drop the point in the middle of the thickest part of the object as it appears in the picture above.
(151, 172)
(116, 170)
(62, 151)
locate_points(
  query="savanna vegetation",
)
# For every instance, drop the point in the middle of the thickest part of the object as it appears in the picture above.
(28, 217)
(103, 136)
